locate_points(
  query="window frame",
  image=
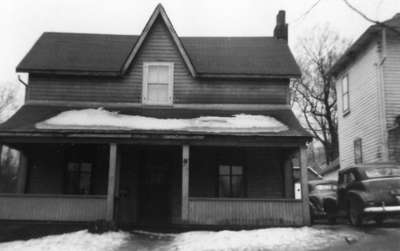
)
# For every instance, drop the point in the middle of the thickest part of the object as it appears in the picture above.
(231, 175)
(345, 95)
(357, 150)
(145, 82)
(79, 173)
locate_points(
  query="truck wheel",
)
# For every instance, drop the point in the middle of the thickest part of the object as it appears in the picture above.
(354, 214)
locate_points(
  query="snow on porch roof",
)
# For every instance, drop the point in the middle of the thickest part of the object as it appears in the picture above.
(26, 118)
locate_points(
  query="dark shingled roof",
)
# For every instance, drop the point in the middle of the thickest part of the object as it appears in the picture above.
(24, 120)
(78, 53)
(72, 53)
(362, 42)
(240, 55)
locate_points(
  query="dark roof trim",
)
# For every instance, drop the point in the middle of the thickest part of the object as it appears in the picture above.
(247, 76)
(72, 72)
(354, 50)
(159, 11)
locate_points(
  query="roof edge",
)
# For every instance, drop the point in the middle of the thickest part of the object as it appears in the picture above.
(69, 72)
(246, 76)
(353, 50)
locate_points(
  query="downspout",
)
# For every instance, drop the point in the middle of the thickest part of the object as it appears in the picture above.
(22, 81)
(381, 98)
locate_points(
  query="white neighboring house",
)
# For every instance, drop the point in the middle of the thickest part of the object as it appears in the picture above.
(368, 91)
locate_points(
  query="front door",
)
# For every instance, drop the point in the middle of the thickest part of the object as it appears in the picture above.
(154, 190)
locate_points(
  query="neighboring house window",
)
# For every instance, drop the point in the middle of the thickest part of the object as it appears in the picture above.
(158, 83)
(230, 179)
(358, 151)
(345, 95)
(79, 176)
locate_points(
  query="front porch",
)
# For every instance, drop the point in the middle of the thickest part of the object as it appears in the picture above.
(167, 184)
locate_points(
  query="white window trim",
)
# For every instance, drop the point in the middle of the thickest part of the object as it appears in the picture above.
(345, 95)
(170, 82)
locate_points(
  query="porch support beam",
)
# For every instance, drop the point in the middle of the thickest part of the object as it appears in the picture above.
(22, 173)
(111, 182)
(185, 183)
(304, 186)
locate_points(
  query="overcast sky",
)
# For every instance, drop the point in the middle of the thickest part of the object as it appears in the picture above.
(23, 21)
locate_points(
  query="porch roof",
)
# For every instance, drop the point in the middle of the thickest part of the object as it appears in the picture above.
(24, 120)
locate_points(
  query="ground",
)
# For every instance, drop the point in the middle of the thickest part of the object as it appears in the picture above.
(317, 237)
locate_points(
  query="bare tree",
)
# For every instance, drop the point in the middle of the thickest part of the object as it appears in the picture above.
(314, 94)
(9, 100)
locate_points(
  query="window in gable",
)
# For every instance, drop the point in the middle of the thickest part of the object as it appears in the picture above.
(345, 95)
(158, 83)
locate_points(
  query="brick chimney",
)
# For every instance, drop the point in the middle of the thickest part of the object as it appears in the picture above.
(281, 28)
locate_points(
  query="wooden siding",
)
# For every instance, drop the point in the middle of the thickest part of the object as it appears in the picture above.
(392, 79)
(263, 170)
(363, 120)
(52, 207)
(391, 69)
(261, 212)
(47, 167)
(158, 46)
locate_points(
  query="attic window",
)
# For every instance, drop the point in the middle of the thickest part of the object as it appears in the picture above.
(158, 83)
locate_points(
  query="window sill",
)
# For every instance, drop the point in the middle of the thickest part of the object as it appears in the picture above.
(157, 105)
(244, 199)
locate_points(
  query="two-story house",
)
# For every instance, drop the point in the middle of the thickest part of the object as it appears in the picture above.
(368, 91)
(159, 129)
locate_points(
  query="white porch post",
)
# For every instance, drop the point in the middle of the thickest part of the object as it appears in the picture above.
(111, 182)
(185, 183)
(304, 186)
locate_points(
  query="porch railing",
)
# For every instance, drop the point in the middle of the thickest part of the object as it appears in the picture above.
(245, 211)
(52, 207)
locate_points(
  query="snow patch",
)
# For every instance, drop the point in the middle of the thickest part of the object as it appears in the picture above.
(103, 119)
(76, 241)
(304, 238)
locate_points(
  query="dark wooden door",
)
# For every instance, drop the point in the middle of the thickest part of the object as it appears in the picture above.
(154, 192)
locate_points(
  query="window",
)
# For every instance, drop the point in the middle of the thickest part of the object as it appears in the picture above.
(349, 178)
(78, 178)
(158, 83)
(230, 179)
(345, 95)
(358, 151)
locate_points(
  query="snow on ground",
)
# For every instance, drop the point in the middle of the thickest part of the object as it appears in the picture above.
(76, 241)
(103, 119)
(304, 238)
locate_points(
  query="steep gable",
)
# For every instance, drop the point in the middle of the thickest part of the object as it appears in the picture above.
(159, 15)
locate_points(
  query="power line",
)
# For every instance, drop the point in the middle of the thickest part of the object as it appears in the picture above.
(306, 13)
(371, 20)
(360, 13)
